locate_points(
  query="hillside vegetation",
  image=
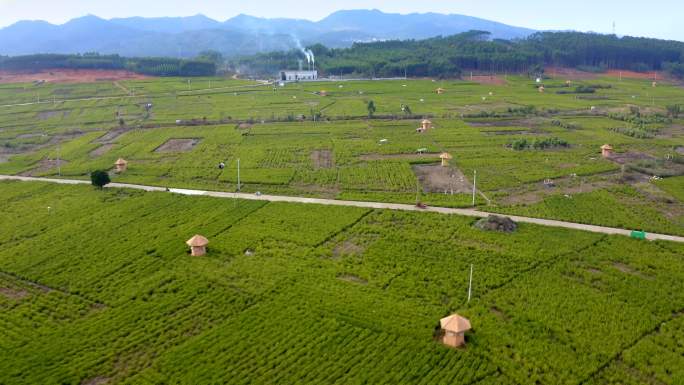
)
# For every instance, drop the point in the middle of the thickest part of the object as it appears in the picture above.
(450, 56)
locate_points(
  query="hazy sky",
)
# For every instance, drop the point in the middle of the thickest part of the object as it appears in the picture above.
(655, 18)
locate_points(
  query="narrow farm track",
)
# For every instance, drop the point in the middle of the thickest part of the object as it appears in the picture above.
(370, 205)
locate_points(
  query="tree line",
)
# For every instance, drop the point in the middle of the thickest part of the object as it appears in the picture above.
(475, 51)
(201, 66)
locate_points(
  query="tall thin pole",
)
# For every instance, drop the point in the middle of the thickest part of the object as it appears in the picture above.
(474, 185)
(59, 160)
(238, 165)
(470, 284)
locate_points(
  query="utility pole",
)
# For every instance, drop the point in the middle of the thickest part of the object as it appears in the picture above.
(474, 185)
(59, 160)
(188, 84)
(470, 284)
(238, 170)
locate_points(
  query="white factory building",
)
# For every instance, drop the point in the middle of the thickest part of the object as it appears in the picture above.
(296, 76)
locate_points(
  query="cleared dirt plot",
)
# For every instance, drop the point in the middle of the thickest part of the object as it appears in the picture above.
(438, 179)
(101, 150)
(67, 76)
(110, 136)
(416, 156)
(14, 294)
(347, 247)
(97, 381)
(45, 115)
(629, 157)
(575, 74)
(352, 278)
(488, 79)
(322, 159)
(44, 166)
(177, 145)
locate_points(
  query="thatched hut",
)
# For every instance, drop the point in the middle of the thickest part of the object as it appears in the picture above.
(542, 89)
(121, 164)
(445, 157)
(607, 150)
(440, 91)
(454, 328)
(198, 245)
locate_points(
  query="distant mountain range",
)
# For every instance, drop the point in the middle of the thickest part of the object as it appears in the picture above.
(241, 35)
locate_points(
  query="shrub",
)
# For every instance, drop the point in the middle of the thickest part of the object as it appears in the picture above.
(99, 178)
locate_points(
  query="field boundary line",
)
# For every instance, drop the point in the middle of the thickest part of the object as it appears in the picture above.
(617, 357)
(46, 289)
(370, 205)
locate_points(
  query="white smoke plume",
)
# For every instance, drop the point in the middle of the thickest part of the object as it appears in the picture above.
(308, 54)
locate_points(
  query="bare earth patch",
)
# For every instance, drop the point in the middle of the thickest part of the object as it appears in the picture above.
(177, 145)
(629, 157)
(438, 179)
(45, 115)
(416, 156)
(13, 293)
(101, 150)
(110, 136)
(322, 159)
(487, 79)
(67, 76)
(96, 381)
(352, 278)
(44, 166)
(628, 270)
(347, 247)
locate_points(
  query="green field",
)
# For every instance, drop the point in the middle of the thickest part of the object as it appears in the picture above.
(98, 285)
(293, 141)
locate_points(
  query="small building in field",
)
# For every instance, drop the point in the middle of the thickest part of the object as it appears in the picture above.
(323, 93)
(120, 165)
(445, 157)
(542, 89)
(607, 150)
(298, 76)
(198, 245)
(424, 126)
(654, 84)
(440, 91)
(454, 328)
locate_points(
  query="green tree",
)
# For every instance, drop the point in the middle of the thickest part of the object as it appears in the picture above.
(371, 109)
(99, 178)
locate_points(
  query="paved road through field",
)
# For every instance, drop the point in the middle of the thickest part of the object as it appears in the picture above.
(371, 205)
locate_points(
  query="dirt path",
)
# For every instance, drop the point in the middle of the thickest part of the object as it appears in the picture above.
(122, 88)
(370, 205)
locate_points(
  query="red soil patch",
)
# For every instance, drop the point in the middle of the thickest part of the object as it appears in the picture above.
(575, 74)
(487, 79)
(68, 76)
(635, 75)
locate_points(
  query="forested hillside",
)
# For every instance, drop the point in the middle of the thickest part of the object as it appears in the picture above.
(201, 66)
(474, 50)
